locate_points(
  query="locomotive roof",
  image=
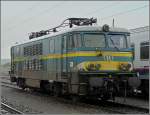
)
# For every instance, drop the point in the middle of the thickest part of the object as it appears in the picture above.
(97, 28)
(77, 29)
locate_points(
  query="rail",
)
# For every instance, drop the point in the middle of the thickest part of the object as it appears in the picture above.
(10, 109)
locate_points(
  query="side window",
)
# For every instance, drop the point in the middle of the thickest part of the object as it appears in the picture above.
(64, 42)
(18, 50)
(70, 42)
(57, 44)
(132, 45)
(40, 49)
(77, 40)
(32, 50)
(24, 51)
(144, 50)
(51, 45)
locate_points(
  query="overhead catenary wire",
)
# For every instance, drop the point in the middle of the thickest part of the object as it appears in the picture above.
(39, 13)
(102, 9)
(47, 11)
(124, 12)
(56, 5)
(26, 11)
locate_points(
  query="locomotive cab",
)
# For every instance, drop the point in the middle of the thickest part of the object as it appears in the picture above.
(101, 63)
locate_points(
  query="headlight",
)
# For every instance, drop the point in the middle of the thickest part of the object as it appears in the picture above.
(122, 67)
(97, 66)
(125, 67)
(90, 67)
(130, 66)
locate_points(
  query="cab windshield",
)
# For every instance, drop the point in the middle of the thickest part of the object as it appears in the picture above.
(94, 40)
(117, 41)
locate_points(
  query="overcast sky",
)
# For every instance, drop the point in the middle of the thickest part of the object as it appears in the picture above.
(20, 18)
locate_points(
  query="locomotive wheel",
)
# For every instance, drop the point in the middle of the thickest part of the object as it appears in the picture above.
(21, 83)
(43, 86)
(105, 96)
(75, 98)
(57, 90)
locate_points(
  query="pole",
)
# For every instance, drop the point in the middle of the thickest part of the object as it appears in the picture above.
(113, 23)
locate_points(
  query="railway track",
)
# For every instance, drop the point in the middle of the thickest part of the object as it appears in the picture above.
(110, 106)
(131, 107)
(7, 83)
(119, 107)
(9, 109)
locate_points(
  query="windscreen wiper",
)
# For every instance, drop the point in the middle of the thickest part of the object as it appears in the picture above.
(114, 44)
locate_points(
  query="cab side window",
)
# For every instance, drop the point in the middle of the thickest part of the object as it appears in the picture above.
(77, 40)
(70, 42)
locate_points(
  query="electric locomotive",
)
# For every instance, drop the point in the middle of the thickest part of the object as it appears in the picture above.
(83, 61)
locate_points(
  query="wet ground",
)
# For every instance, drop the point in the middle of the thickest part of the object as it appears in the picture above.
(144, 103)
(30, 103)
(35, 102)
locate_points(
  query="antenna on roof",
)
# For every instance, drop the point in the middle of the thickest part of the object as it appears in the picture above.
(113, 23)
(70, 23)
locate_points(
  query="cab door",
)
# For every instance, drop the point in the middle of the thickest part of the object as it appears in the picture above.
(64, 60)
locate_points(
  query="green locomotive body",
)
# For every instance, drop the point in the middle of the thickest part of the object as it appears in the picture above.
(85, 61)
